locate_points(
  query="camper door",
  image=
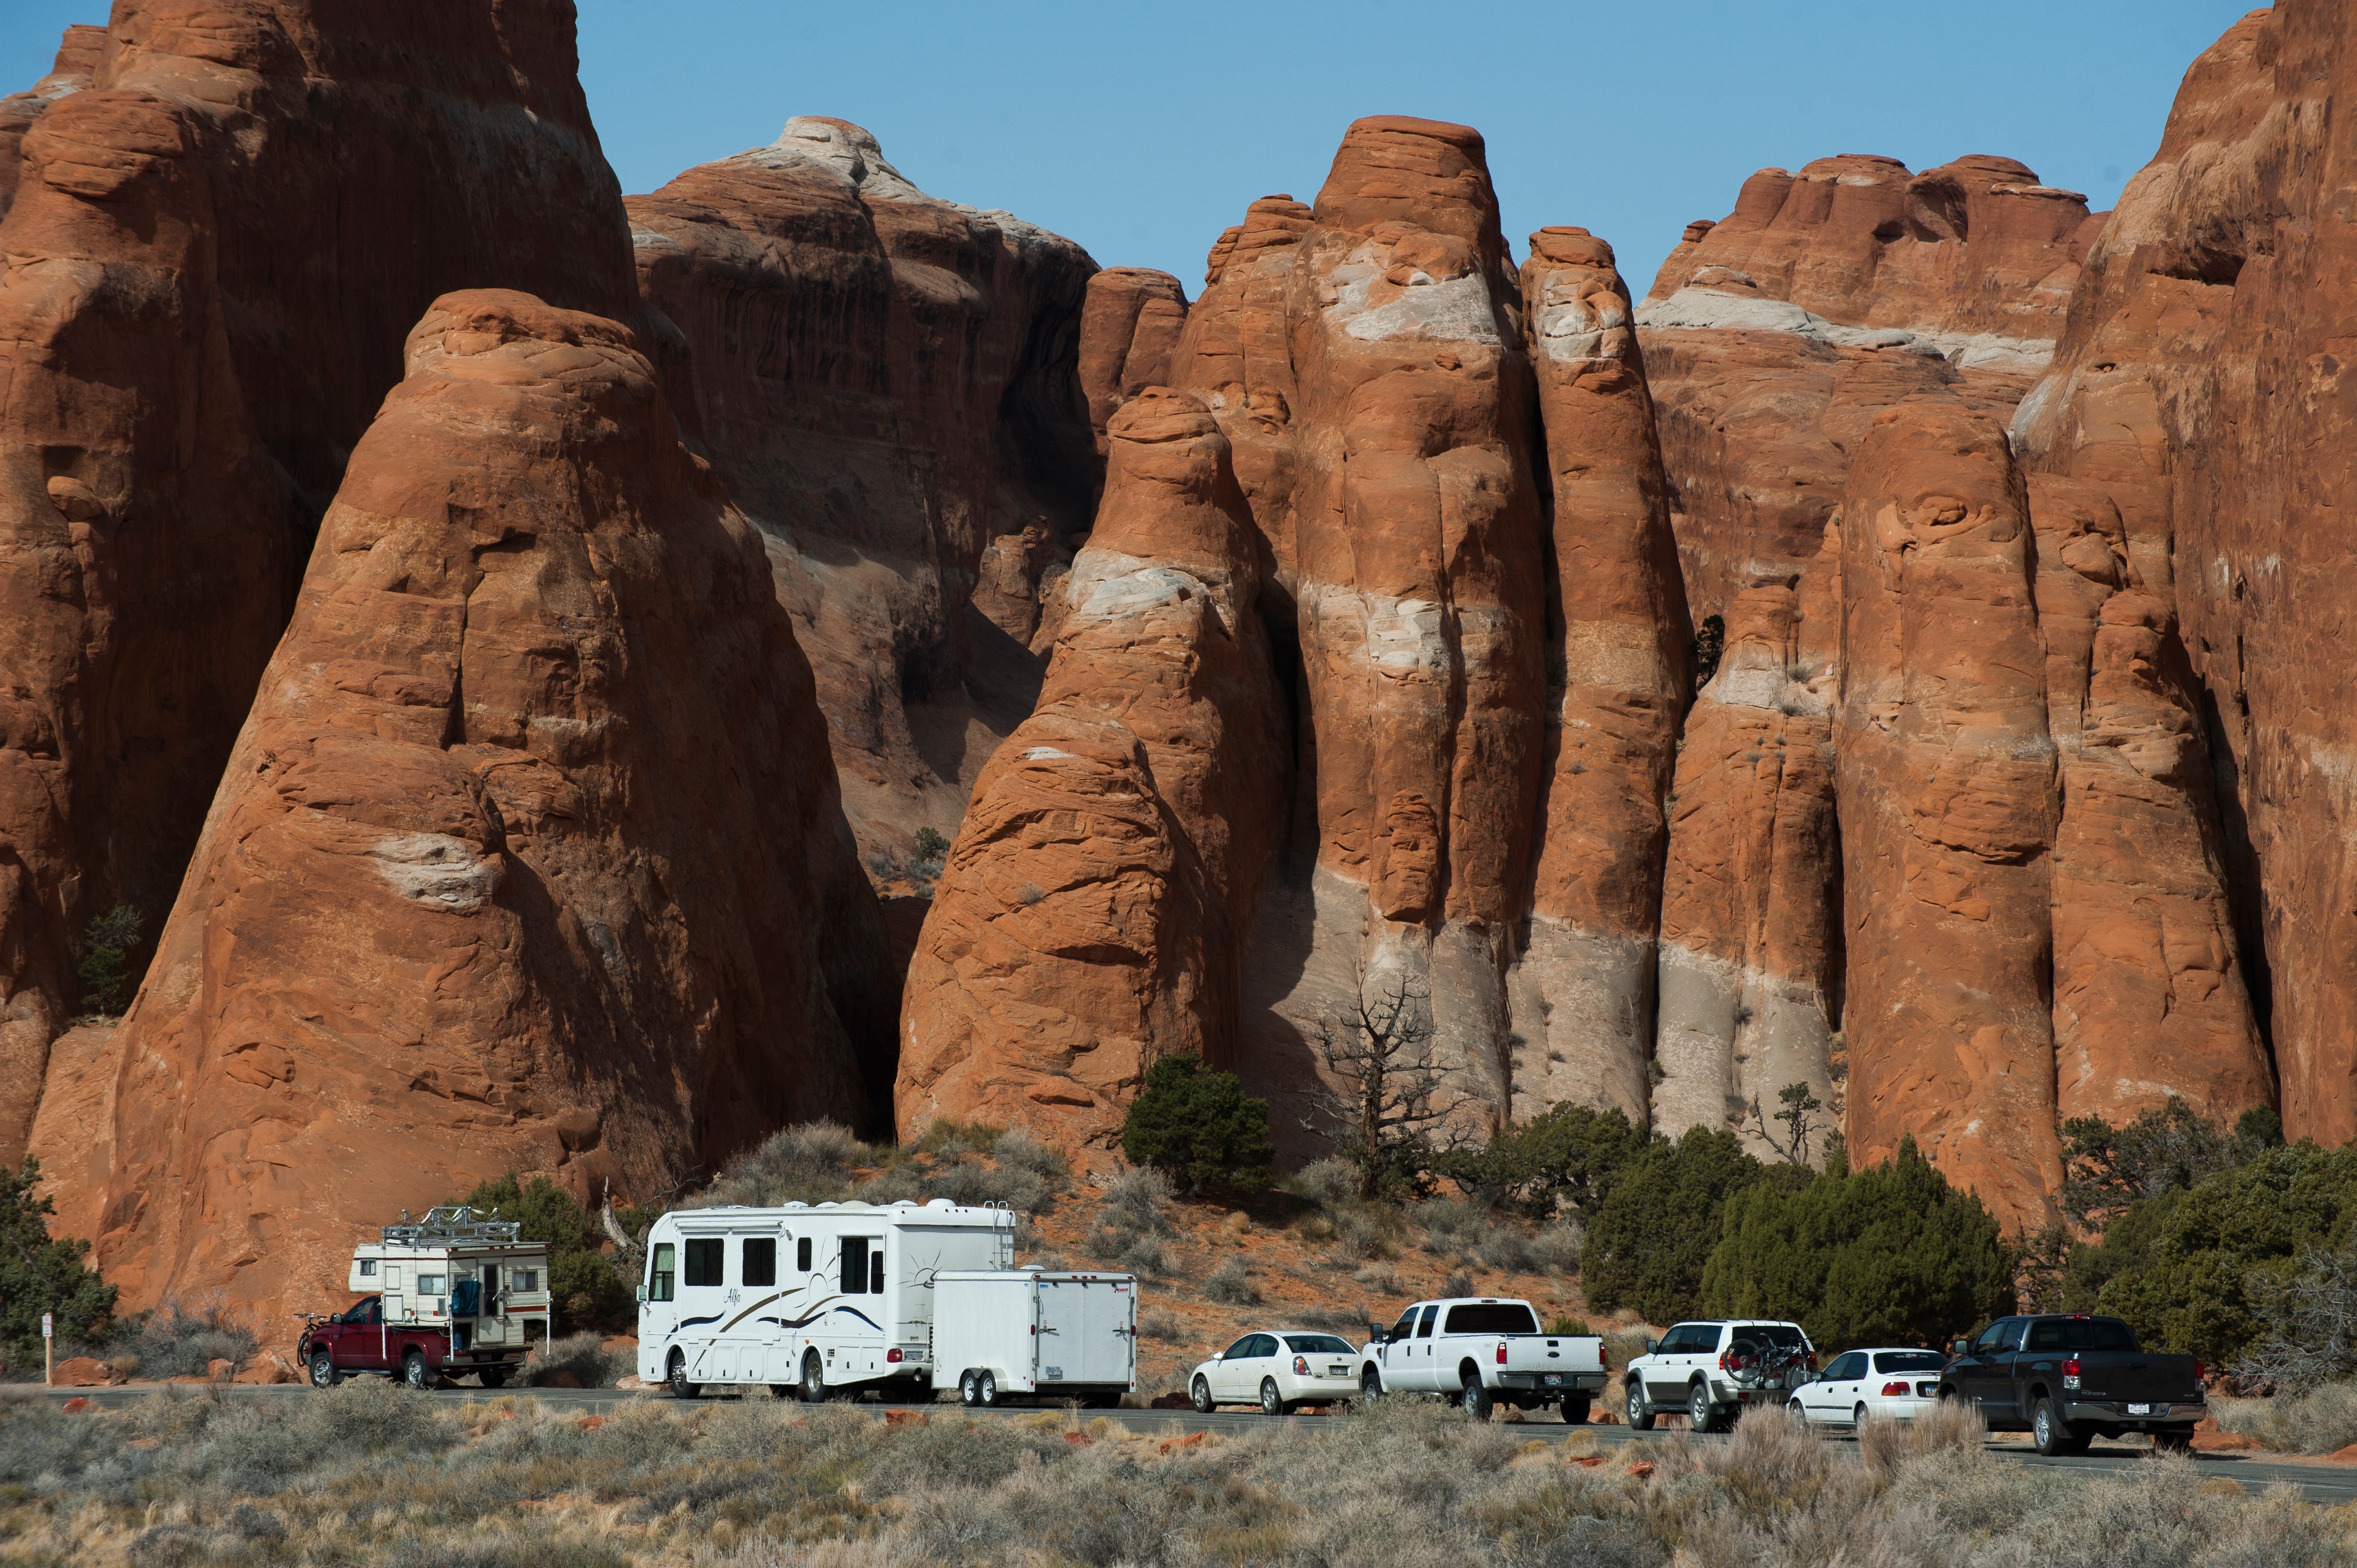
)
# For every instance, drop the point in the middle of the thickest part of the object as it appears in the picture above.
(851, 1332)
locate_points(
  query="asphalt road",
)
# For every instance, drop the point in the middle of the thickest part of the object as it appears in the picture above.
(2317, 1484)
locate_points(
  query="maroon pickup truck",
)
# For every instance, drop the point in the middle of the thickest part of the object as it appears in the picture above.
(357, 1339)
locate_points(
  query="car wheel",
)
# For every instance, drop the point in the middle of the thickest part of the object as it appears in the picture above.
(814, 1378)
(1271, 1402)
(1370, 1384)
(323, 1371)
(986, 1388)
(676, 1376)
(1857, 1418)
(1477, 1401)
(1640, 1414)
(970, 1389)
(494, 1376)
(1575, 1409)
(1701, 1415)
(413, 1370)
(2172, 1442)
(1797, 1411)
(2051, 1432)
(1201, 1394)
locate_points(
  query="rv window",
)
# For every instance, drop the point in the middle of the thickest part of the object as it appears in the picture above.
(429, 1285)
(760, 1261)
(854, 1265)
(875, 1268)
(367, 1267)
(522, 1280)
(703, 1255)
(802, 1254)
(658, 1276)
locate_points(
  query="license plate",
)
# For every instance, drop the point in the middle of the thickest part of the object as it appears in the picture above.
(1554, 1376)
(2139, 1409)
(1338, 1371)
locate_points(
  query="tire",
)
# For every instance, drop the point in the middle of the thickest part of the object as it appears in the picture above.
(1476, 1400)
(1370, 1384)
(1201, 1392)
(1858, 1419)
(494, 1376)
(324, 1374)
(2051, 1432)
(1575, 1409)
(1701, 1415)
(814, 1390)
(414, 1372)
(1639, 1410)
(2172, 1442)
(1271, 1402)
(1797, 1411)
(675, 1374)
(970, 1389)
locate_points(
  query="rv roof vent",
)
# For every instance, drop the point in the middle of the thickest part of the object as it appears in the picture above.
(798, 1203)
(1033, 1269)
(941, 1203)
(830, 1204)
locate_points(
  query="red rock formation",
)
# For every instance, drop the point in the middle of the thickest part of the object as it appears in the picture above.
(888, 381)
(2195, 385)
(196, 323)
(1947, 798)
(77, 61)
(527, 858)
(1619, 689)
(1091, 914)
(1128, 328)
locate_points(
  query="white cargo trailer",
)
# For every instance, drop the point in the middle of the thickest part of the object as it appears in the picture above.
(834, 1298)
(1036, 1333)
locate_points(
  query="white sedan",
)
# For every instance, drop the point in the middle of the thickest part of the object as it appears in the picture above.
(1889, 1385)
(1277, 1371)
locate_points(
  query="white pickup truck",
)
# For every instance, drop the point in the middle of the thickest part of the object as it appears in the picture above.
(1483, 1351)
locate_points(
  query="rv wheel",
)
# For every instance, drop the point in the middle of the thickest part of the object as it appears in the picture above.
(681, 1389)
(814, 1379)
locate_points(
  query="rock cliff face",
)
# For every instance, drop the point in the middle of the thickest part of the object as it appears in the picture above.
(76, 62)
(196, 328)
(890, 383)
(456, 910)
(1092, 912)
(2193, 393)
(1128, 328)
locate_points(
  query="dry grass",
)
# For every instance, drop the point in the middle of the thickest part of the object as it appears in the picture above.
(368, 1474)
(2323, 1421)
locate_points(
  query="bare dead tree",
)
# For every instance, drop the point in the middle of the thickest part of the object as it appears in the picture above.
(1384, 1095)
(2308, 1322)
(1800, 1106)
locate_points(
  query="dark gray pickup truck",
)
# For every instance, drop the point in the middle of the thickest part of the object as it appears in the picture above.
(2067, 1379)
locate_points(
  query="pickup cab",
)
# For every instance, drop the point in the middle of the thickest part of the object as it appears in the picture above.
(2065, 1379)
(1482, 1352)
(359, 1339)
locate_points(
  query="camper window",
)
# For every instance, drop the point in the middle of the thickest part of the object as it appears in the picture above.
(659, 1275)
(520, 1280)
(703, 1255)
(368, 1268)
(802, 1254)
(854, 1265)
(429, 1285)
(875, 1269)
(760, 1260)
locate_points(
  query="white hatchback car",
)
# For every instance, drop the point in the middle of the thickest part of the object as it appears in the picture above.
(1889, 1385)
(1277, 1371)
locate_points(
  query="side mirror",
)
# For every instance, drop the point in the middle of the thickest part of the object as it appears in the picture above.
(1960, 1347)
(1653, 1347)
(642, 1295)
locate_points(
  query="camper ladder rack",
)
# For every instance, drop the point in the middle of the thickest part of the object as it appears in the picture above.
(454, 1224)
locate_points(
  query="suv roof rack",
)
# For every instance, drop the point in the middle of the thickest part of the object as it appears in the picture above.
(451, 1223)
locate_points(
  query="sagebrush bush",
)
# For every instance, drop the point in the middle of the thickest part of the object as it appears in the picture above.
(177, 1340)
(1137, 1201)
(582, 1356)
(809, 1162)
(2322, 1420)
(1230, 1283)
(1161, 1325)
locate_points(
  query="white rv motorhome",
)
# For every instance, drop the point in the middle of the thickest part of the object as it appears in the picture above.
(824, 1299)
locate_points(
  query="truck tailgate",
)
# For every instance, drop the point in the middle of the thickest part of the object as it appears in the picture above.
(1553, 1353)
(2125, 1375)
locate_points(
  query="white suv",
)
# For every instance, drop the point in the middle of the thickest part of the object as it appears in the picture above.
(1714, 1371)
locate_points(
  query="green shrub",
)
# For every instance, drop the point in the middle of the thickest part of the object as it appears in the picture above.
(1654, 1232)
(108, 976)
(178, 1341)
(1567, 1156)
(585, 1290)
(1200, 1126)
(1889, 1254)
(38, 1274)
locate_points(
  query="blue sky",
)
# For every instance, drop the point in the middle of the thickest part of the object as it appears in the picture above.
(1142, 131)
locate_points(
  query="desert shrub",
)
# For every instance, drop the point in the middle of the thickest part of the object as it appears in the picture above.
(1198, 1125)
(1623, 1346)
(1565, 1159)
(1651, 1236)
(1161, 1325)
(2306, 1321)
(1229, 1282)
(1139, 1255)
(2322, 1420)
(1459, 1283)
(1328, 1183)
(810, 1163)
(2106, 1168)
(109, 970)
(943, 1136)
(180, 1341)
(38, 1274)
(1557, 1247)
(1137, 1201)
(585, 1356)
(1891, 1254)
(585, 1288)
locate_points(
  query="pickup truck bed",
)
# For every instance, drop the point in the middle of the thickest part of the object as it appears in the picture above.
(2069, 1378)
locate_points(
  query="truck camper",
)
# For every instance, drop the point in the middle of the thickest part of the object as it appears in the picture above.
(452, 1293)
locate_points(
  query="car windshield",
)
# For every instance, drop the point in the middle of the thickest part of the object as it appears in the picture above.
(1910, 1362)
(1317, 1345)
(1491, 1318)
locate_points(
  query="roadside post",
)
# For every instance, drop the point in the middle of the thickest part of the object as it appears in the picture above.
(48, 1342)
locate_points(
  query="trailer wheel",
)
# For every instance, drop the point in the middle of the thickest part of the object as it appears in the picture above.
(413, 1371)
(814, 1379)
(323, 1371)
(969, 1388)
(1575, 1409)
(676, 1376)
(494, 1376)
(985, 1387)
